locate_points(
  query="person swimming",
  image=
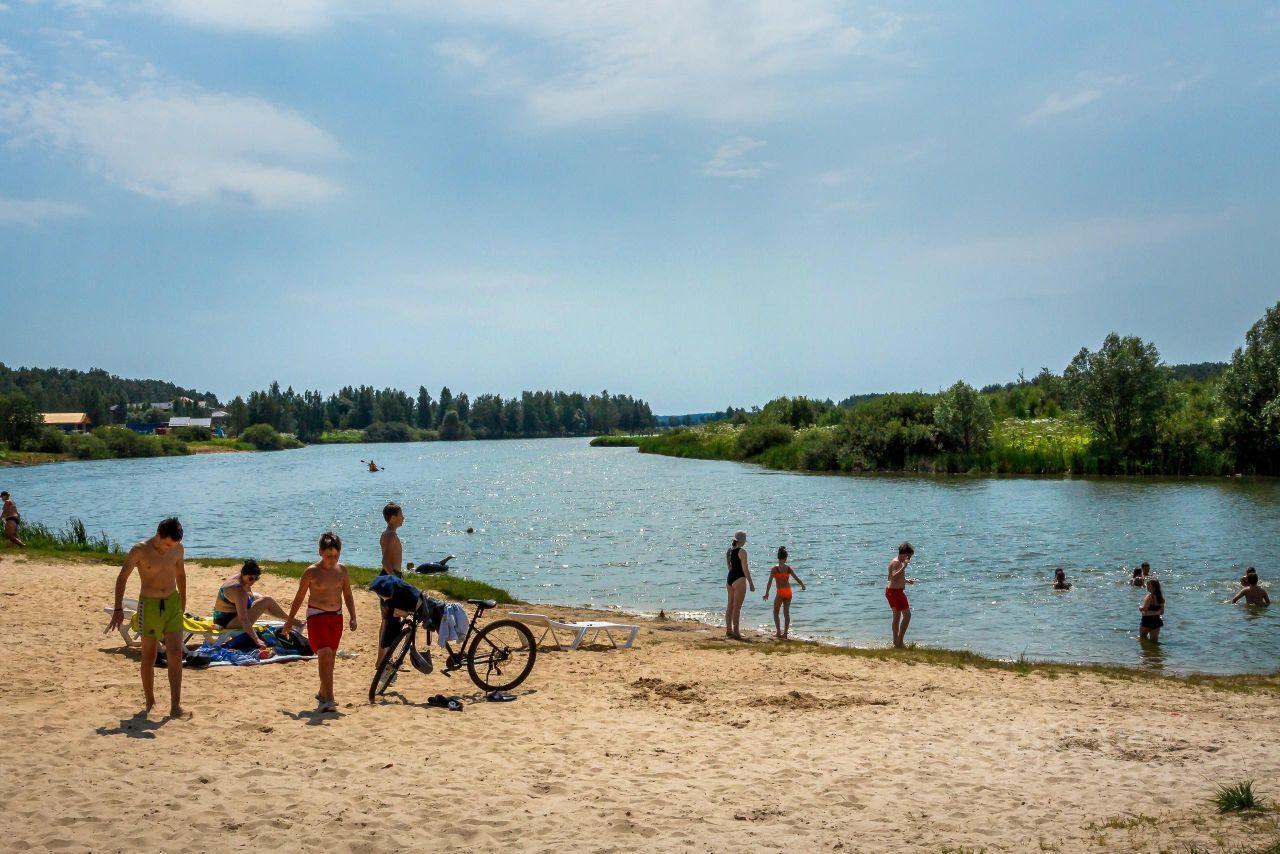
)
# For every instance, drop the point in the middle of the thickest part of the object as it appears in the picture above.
(1060, 580)
(1137, 580)
(1251, 591)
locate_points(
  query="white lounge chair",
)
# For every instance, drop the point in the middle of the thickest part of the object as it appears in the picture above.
(578, 631)
(191, 627)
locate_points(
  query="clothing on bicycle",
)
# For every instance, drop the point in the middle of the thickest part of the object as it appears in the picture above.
(400, 600)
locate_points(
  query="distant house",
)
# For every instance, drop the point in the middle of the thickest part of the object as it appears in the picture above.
(163, 407)
(144, 429)
(70, 422)
(219, 416)
(184, 421)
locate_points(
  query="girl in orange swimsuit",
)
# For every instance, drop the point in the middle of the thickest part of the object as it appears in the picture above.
(781, 575)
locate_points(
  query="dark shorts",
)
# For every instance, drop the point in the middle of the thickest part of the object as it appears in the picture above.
(1152, 621)
(391, 627)
(897, 599)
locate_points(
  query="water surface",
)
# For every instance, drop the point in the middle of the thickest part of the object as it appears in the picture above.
(559, 522)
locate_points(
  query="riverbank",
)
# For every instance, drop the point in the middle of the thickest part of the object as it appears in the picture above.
(778, 744)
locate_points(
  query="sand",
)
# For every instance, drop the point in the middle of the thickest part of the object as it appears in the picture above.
(683, 743)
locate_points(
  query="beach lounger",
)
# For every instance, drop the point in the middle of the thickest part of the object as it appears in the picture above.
(191, 627)
(578, 631)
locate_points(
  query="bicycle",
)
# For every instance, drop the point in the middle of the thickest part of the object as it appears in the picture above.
(503, 651)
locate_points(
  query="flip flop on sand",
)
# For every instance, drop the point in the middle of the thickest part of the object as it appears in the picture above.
(440, 701)
(500, 697)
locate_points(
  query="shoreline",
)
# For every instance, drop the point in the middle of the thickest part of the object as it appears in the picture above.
(682, 741)
(757, 638)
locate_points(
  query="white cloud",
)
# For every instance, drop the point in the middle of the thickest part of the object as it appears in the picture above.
(731, 159)
(1058, 104)
(275, 17)
(1088, 237)
(835, 178)
(32, 212)
(605, 60)
(173, 142)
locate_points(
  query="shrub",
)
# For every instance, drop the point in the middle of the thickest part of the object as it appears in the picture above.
(819, 450)
(264, 437)
(50, 440)
(758, 438)
(1237, 798)
(193, 434)
(87, 447)
(391, 431)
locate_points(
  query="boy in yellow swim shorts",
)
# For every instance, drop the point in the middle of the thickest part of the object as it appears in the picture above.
(161, 601)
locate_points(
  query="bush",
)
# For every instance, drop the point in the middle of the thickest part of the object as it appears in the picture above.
(87, 447)
(264, 437)
(49, 440)
(758, 438)
(392, 431)
(819, 450)
(193, 434)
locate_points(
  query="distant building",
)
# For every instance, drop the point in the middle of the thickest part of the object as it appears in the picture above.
(144, 429)
(70, 422)
(163, 407)
(219, 416)
(184, 421)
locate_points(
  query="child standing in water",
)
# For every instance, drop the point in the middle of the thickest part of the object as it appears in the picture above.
(895, 592)
(782, 575)
(1152, 610)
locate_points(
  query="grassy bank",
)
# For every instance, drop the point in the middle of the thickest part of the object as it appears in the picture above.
(74, 542)
(1018, 446)
(215, 445)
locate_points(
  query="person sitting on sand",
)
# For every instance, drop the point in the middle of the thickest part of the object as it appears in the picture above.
(327, 586)
(895, 592)
(739, 578)
(1152, 610)
(237, 607)
(161, 602)
(1060, 580)
(9, 514)
(782, 575)
(1251, 591)
(1137, 580)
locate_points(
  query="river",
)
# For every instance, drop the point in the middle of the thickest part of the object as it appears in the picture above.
(559, 522)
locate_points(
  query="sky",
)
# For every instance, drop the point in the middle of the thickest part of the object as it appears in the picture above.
(698, 203)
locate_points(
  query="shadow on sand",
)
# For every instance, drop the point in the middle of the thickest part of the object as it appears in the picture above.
(138, 726)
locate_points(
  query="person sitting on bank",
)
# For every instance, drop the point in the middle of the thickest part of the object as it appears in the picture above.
(238, 608)
(1251, 591)
(1060, 580)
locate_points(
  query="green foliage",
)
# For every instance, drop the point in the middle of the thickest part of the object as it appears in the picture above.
(892, 432)
(339, 437)
(19, 419)
(264, 437)
(757, 438)
(712, 442)
(394, 431)
(1250, 396)
(795, 411)
(451, 427)
(1237, 797)
(1041, 446)
(92, 391)
(216, 444)
(1121, 390)
(615, 442)
(123, 443)
(72, 538)
(963, 418)
(193, 434)
(49, 440)
(87, 447)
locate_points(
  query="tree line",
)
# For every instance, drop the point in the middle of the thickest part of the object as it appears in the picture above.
(1118, 409)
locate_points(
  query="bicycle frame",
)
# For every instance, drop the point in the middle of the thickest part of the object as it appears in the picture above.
(455, 659)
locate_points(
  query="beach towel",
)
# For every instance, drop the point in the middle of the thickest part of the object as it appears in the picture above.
(221, 656)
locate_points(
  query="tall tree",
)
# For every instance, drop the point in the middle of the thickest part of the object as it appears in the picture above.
(19, 419)
(426, 409)
(963, 418)
(1250, 395)
(1121, 389)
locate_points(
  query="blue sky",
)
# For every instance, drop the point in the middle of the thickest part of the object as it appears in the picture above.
(700, 203)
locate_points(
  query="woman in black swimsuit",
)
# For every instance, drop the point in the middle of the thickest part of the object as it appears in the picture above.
(1152, 610)
(737, 583)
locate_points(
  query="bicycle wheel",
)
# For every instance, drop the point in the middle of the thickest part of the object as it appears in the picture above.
(386, 672)
(501, 655)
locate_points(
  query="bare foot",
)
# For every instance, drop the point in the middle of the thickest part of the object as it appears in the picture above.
(178, 713)
(151, 704)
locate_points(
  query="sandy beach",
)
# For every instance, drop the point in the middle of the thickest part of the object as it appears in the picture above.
(685, 742)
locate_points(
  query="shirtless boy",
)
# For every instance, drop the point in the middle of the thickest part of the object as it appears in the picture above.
(895, 592)
(1251, 591)
(328, 585)
(392, 549)
(161, 601)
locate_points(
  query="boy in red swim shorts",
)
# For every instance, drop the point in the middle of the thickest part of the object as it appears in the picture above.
(896, 593)
(329, 586)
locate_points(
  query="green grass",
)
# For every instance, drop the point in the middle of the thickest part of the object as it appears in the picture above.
(616, 442)
(40, 538)
(74, 542)
(1125, 822)
(1237, 797)
(221, 445)
(912, 654)
(29, 458)
(341, 437)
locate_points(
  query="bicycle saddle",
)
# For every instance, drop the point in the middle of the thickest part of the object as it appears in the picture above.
(484, 603)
